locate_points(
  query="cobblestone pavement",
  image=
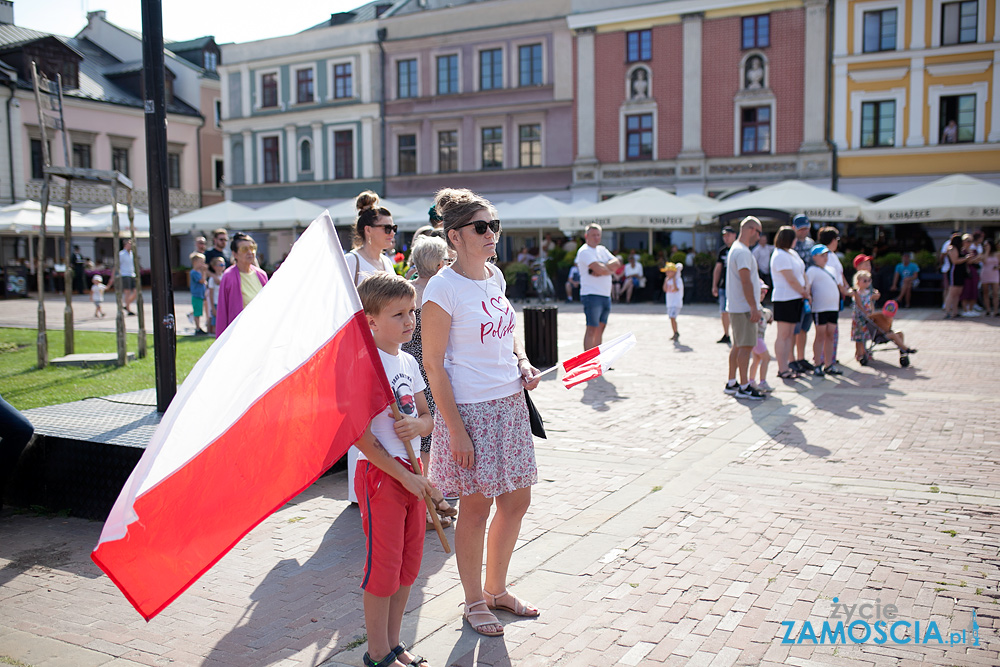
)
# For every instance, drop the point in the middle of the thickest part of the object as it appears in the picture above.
(671, 524)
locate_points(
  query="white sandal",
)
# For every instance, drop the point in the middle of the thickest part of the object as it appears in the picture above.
(485, 618)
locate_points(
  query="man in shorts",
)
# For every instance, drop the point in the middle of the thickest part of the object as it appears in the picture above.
(803, 248)
(597, 265)
(719, 281)
(741, 304)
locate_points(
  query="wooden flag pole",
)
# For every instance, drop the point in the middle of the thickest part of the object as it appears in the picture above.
(415, 464)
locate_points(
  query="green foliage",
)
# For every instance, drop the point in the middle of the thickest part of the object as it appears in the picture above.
(704, 259)
(25, 386)
(926, 260)
(513, 268)
(648, 259)
(678, 257)
(890, 259)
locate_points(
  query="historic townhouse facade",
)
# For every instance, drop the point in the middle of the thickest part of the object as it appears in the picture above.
(904, 70)
(105, 124)
(300, 113)
(700, 96)
(479, 95)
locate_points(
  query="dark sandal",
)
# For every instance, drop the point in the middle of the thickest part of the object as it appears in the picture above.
(444, 508)
(417, 660)
(788, 375)
(387, 660)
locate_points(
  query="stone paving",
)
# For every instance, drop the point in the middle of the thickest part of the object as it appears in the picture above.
(671, 524)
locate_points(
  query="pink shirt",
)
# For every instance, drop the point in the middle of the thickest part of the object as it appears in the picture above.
(991, 270)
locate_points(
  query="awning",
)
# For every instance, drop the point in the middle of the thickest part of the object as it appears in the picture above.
(953, 198)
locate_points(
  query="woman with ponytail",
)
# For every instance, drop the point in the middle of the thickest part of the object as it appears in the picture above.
(374, 233)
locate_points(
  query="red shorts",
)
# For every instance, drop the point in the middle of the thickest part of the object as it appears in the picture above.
(394, 521)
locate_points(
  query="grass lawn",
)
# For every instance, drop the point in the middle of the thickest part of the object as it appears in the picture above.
(24, 386)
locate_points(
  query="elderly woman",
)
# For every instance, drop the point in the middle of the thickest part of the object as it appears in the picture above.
(482, 448)
(429, 255)
(240, 283)
(374, 233)
(788, 298)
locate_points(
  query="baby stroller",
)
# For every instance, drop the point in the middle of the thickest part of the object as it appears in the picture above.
(879, 331)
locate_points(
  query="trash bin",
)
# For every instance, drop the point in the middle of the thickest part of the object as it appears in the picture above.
(540, 336)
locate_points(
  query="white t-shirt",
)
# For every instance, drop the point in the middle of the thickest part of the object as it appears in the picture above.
(214, 284)
(479, 357)
(125, 263)
(591, 284)
(97, 292)
(762, 253)
(946, 264)
(365, 269)
(740, 257)
(825, 297)
(785, 260)
(405, 380)
(633, 271)
(836, 269)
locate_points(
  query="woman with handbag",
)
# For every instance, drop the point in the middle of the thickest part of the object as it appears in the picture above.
(482, 448)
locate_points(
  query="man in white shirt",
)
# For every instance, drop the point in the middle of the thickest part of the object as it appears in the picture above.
(742, 297)
(126, 269)
(596, 264)
(762, 253)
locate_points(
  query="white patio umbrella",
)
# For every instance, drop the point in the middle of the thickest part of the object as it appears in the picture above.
(648, 208)
(285, 214)
(794, 197)
(540, 211)
(224, 214)
(102, 218)
(25, 217)
(953, 198)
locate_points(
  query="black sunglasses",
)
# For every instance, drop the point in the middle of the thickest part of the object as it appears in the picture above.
(481, 225)
(388, 229)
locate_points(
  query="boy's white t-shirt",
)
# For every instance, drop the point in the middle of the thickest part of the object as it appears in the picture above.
(97, 292)
(589, 283)
(214, 284)
(783, 260)
(823, 290)
(479, 357)
(836, 269)
(405, 380)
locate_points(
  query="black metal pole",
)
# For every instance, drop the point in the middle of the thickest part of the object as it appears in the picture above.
(164, 329)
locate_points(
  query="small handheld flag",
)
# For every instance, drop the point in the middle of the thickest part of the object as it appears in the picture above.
(595, 361)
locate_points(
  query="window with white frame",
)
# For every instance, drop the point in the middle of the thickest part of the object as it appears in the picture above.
(343, 154)
(268, 90)
(492, 147)
(305, 156)
(959, 22)
(529, 145)
(491, 69)
(447, 74)
(270, 153)
(880, 30)
(406, 155)
(957, 118)
(639, 136)
(878, 123)
(529, 58)
(218, 112)
(406, 78)
(755, 130)
(343, 81)
(305, 90)
(447, 151)
(218, 173)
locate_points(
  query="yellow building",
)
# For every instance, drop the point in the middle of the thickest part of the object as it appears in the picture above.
(915, 92)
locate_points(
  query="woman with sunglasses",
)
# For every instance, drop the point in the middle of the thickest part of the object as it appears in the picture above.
(481, 449)
(240, 283)
(374, 233)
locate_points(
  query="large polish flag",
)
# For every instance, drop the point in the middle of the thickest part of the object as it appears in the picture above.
(275, 401)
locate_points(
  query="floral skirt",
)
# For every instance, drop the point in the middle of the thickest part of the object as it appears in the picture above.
(504, 449)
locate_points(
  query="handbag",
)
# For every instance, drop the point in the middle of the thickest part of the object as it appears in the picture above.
(537, 426)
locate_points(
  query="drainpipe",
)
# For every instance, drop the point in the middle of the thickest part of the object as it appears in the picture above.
(828, 130)
(201, 186)
(382, 33)
(10, 140)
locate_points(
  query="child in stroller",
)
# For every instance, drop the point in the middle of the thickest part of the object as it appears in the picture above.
(870, 328)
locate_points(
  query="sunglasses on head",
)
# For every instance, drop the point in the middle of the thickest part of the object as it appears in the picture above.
(482, 225)
(388, 229)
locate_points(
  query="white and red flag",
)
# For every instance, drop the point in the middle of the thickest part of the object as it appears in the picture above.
(275, 401)
(595, 361)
